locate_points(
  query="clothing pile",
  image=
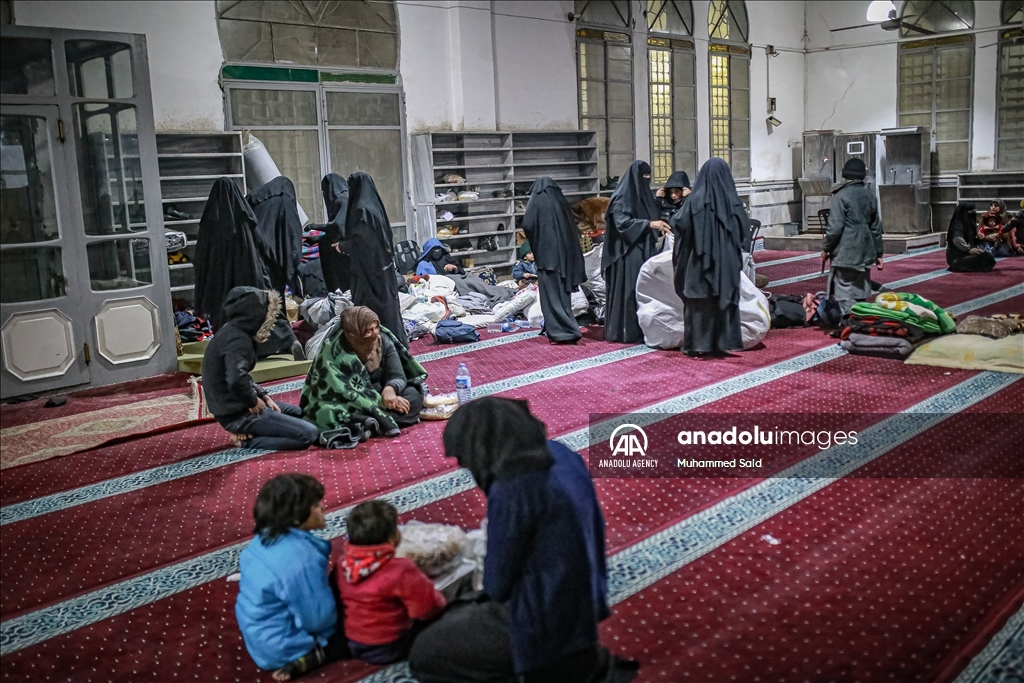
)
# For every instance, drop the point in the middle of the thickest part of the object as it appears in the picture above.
(893, 325)
(191, 328)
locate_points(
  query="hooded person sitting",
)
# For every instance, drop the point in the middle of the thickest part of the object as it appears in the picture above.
(672, 196)
(237, 402)
(853, 239)
(437, 260)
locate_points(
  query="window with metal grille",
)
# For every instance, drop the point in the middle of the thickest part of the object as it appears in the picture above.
(670, 16)
(936, 90)
(1012, 11)
(673, 108)
(605, 70)
(729, 82)
(611, 13)
(1010, 100)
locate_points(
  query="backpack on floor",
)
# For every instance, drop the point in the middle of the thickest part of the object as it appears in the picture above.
(454, 332)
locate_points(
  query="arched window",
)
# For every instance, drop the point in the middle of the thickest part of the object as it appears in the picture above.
(337, 107)
(611, 13)
(729, 82)
(1010, 90)
(936, 79)
(604, 63)
(936, 16)
(671, 78)
(1012, 12)
(727, 20)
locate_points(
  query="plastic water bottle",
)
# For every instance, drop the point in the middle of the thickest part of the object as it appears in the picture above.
(463, 385)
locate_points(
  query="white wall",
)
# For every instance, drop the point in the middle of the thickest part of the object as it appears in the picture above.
(184, 51)
(851, 75)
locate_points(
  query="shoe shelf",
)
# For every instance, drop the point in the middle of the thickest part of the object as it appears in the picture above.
(190, 163)
(507, 161)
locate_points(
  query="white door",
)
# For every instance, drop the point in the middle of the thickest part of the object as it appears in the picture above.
(84, 274)
(43, 337)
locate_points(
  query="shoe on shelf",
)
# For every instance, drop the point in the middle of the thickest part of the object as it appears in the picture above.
(175, 214)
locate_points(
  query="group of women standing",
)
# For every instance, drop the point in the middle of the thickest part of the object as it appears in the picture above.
(710, 228)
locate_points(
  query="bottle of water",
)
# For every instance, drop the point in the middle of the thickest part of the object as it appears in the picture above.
(463, 385)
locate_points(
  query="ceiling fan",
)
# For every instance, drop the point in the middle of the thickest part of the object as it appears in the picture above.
(883, 13)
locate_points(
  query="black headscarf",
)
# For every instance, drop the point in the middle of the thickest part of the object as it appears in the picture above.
(366, 208)
(550, 227)
(229, 249)
(632, 195)
(497, 439)
(711, 229)
(335, 265)
(963, 224)
(277, 217)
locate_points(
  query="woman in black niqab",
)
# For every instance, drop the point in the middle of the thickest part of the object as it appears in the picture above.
(963, 251)
(334, 259)
(710, 231)
(497, 439)
(633, 225)
(368, 240)
(277, 217)
(551, 229)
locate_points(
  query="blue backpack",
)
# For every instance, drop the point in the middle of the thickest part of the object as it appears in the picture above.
(454, 332)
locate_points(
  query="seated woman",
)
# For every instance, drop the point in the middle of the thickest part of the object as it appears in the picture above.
(545, 578)
(963, 250)
(285, 607)
(437, 260)
(362, 381)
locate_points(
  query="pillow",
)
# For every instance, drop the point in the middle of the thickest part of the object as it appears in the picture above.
(972, 352)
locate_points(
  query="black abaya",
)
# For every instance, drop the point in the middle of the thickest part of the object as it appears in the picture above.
(710, 230)
(335, 264)
(961, 237)
(367, 238)
(629, 242)
(551, 230)
(277, 217)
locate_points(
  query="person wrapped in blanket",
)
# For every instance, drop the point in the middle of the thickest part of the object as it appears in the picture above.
(363, 382)
(893, 325)
(285, 607)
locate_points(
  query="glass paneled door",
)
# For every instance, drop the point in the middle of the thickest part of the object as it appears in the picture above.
(43, 338)
(81, 230)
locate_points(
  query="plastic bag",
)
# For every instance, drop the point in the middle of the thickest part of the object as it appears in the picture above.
(439, 407)
(435, 548)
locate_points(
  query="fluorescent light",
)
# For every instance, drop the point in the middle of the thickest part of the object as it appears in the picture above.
(878, 10)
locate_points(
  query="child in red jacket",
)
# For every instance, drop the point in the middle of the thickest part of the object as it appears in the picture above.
(384, 596)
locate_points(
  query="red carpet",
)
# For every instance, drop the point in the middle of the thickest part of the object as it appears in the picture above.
(799, 610)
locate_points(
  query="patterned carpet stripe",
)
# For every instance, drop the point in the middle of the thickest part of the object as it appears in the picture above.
(788, 259)
(1003, 657)
(666, 552)
(18, 512)
(987, 300)
(888, 259)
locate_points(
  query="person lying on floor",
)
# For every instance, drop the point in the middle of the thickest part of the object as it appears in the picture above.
(437, 260)
(363, 381)
(285, 608)
(545, 576)
(237, 402)
(387, 600)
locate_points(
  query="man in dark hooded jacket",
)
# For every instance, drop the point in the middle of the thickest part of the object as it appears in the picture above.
(853, 240)
(672, 196)
(238, 403)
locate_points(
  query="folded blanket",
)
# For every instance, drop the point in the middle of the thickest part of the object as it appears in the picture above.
(884, 347)
(909, 309)
(465, 284)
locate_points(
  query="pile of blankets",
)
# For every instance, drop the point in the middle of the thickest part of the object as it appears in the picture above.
(893, 325)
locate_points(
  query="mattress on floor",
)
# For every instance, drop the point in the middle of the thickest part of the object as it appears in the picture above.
(972, 352)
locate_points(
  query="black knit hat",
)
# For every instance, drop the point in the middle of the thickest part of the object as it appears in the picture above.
(854, 169)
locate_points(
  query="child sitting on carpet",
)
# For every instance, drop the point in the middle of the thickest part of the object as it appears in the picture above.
(524, 271)
(387, 599)
(240, 405)
(285, 606)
